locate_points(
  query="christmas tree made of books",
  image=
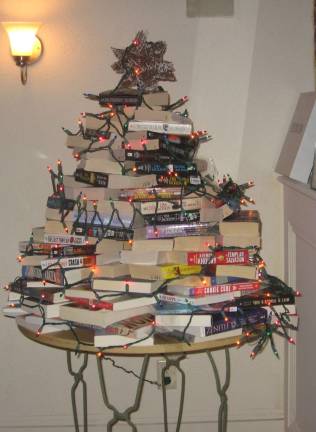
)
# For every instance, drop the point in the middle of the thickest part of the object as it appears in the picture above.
(142, 240)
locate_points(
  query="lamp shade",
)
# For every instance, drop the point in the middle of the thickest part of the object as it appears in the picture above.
(22, 36)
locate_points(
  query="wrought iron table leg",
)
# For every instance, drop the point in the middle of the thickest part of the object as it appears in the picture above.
(78, 377)
(173, 361)
(125, 415)
(221, 390)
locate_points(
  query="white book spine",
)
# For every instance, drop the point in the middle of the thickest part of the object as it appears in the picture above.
(66, 239)
(160, 127)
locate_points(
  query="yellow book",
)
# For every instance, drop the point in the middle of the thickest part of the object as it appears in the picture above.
(162, 272)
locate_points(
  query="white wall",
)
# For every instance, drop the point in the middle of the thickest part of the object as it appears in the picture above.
(242, 75)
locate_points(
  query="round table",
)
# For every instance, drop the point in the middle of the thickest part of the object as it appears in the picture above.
(173, 352)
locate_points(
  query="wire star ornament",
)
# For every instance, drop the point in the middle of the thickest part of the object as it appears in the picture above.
(142, 63)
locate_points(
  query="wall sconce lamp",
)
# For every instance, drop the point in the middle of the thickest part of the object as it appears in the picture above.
(26, 47)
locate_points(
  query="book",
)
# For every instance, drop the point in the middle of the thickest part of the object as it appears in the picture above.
(235, 270)
(195, 243)
(104, 339)
(136, 327)
(168, 231)
(200, 300)
(218, 285)
(100, 165)
(107, 206)
(114, 181)
(65, 239)
(97, 232)
(108, 247)
(222, 326)
(115, 303)
(222, 257)
(69, 262)
(54, 250)
(244, 222)
(131, 97)
(233, 320)
(151, 207)
(257, 300)
(113, 270)
(241, 241)
(126, 285)
(163, 168)
(34, 324)
(102, 317)
(33, 260)
(152, 257)
(57, 227)
(175, 217)
(139, 245)
(161, 272)
(117, 153)
(85, 292)
(179, 180)
(170, 318)
(49, 294)
(141, 143)
(91, 193)
(151, 194)
(57, 276)
(38, 234)
(41, 308)
(111, 218)
(177, 333)
(176, 124)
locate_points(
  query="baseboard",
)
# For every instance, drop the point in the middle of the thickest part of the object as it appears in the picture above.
(294, 427)
(262, 419)
(236, 426)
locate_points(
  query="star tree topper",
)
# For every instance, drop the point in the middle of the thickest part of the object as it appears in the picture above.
(142, 63)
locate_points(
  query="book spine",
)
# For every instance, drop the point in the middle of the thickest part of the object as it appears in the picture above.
(71, 262)
(170, 298)
(64, 239)
(224, 288)
(31, 272)
(54, 250)
(246, 302)
(177, 150)
(54, 276)
(178, 180)
(146, 156)
(150, 194)
(95, 179)
(36, 273)
(237, 321)
(160, 127)
(90, 303)
(152, 207)
(158, 168)
(119, 100)
(72, 250)
(117, 220)
(225, 257)
(176, 217)
(131, 325)
(109, 233)
(166, 231)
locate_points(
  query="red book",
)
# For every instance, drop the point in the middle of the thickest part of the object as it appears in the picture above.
(228, 256)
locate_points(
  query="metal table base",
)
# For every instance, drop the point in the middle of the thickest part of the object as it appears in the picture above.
(125, 416)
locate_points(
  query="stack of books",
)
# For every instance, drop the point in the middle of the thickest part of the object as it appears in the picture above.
(137, 241)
